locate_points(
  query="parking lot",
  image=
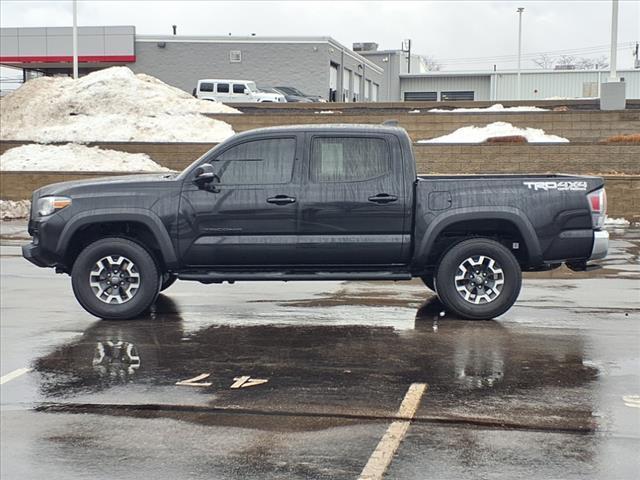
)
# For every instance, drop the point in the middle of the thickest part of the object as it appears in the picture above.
(324, 380)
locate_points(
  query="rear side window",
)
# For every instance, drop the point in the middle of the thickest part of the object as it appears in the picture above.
(223, 88)
(206, 87)
(342, 159)
(258, 162)
(238, 88)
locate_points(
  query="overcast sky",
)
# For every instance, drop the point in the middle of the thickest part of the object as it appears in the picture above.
(461, 35)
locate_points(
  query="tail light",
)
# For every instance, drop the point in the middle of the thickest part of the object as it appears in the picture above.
(598, 205)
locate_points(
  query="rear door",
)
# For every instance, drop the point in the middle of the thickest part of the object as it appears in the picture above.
(223, 92)
(354, 208)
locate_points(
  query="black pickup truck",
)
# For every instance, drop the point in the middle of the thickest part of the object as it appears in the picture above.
(324, 202)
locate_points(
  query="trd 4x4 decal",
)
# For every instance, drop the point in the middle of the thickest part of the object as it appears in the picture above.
(560, 186)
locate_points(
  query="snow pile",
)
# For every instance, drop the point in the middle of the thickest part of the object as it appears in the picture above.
(498, 107)
(75, 158)
(414, 111)
(325, 112)
(12, 210)
(473, 134)
(109, 105)
(616, 222)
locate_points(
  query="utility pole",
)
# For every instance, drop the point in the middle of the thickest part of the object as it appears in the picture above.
(613, 74)
(406, 47)
(613, 92)
(75, 39)
(519, 86)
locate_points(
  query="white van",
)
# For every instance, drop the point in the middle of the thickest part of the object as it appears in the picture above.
(234, 91)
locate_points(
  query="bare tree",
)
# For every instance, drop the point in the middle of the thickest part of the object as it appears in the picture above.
(431, 64)
(570, 62)
(544, 61)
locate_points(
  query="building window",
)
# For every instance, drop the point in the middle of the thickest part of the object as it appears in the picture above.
(235, 56)
(223, 88)
(258, 162)
(456, 96)
(374, 92)
(420, 96)
(367, 90)
(345, 159)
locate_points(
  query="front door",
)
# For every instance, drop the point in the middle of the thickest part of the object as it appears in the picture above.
(251, 216)
(354, 208)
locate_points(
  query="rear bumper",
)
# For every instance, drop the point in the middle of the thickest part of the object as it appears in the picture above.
(600, 245)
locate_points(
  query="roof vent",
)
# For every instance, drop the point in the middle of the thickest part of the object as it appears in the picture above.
(391, 123)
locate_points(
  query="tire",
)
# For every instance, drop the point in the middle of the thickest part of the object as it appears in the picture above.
(478, 296)
(119, 260)
(428, 280)
(168, 279)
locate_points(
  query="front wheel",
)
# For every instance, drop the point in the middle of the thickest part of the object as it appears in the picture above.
(115, 279)
(478, 279)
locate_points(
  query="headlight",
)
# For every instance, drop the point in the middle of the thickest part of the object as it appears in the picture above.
(49, 205)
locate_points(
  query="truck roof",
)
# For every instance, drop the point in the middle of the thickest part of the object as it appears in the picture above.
(340, 127)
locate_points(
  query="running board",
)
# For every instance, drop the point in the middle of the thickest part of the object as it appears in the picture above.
(219, 277)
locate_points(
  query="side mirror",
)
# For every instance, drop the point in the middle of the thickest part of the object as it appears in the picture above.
(204, 175)
(246, 91)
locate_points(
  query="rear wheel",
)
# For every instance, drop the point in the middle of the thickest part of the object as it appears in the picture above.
(478, 279)
(115, 278)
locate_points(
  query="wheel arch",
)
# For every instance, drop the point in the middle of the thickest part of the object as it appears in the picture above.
(488, 216)
(148, 222)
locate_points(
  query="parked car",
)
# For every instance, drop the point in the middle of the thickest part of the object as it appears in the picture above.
(295, 92)
(289, 97)
(234, 91)
(323, 202)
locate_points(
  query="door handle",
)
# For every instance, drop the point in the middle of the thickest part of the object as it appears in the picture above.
(281, 199)
(383, 198)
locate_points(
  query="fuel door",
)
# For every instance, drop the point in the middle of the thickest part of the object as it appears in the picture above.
(439, 200)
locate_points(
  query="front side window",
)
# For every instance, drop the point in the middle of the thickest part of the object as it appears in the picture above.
(258, 162)
(348, 159)
(238, 88)
(223, 88)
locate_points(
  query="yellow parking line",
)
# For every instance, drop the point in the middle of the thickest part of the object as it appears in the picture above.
(15, 374)
(383, 454)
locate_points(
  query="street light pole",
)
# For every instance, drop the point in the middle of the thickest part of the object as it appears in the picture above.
(75, 39)
(613, 74)
(519, 87)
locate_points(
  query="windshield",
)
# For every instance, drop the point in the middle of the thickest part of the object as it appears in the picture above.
(252, 86)
(291, 91)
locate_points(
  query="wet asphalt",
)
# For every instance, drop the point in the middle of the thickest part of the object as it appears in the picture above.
(548, 390)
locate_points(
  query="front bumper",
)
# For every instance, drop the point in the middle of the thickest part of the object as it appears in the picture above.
(35, 255)
(600, 245)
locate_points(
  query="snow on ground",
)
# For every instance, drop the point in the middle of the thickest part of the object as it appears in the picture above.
(75, 158)
(616, 222)
(498, 107)
(11, 210)
(109, 105)
(473, 134)
(414, 111)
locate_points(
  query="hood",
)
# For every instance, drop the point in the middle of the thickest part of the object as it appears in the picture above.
(104, 183)
(270, 96)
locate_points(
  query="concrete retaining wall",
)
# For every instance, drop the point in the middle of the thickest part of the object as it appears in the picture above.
(623, 192)
(577, 158)
(573, 125)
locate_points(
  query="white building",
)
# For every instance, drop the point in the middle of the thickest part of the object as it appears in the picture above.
(488, 86)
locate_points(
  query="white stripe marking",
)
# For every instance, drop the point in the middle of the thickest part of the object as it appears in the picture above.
(383, 454)
(13, 375)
